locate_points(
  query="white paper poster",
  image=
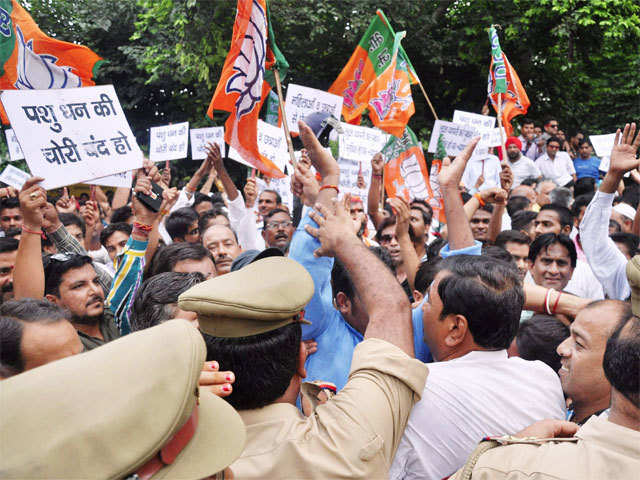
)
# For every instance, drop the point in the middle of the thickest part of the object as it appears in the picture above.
(15, 152)
(169, 142)
(273, 144)
(72, 135)
(360, 143)
(200, 137)
(122, 179)
(302, 101)
(473, 119)
(603, 144)
(14, 177)
(280, 185)
(454, 137)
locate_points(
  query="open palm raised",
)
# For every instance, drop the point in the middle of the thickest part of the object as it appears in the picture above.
(625, 148)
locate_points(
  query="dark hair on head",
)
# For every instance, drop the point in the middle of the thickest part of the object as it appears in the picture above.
(629, 240)
(621, 362)
(263, 364)
(526, 121)
(517, 203)
(11, 362)
(513, 236)
(112, 228)
(199, 198)
(341, 280)
(166, 258)
(121, 214)
(581, 142)
(543, 242)
(156, 299)
(73, 219)
(386, 222)
(278, 197)
(424, 207)
(179, 221)
(9, 202)
(522, 219)
(55, 269)
(268, 216)
(433, 249)
(529, 181)
(488, 293)
(564, 214)
(427, 271)
(498, 253)
(539, 337)
(554, 139)
(8, 244)
(487, 207)
(580, 202)
(549, 120)
(631, 195)
(206, 217)
(34, 310)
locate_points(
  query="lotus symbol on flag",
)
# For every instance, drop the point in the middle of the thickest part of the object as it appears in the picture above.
(38, 71)
(386, 98)
(249, 64)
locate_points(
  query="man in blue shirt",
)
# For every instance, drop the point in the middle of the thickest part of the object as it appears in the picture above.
(586, 165)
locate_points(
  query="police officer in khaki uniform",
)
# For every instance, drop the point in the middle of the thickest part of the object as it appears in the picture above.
(129, 409)
(605, 447)
(254, 315)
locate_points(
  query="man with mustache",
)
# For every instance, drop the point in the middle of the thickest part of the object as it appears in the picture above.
(278, 230)
(223, 244)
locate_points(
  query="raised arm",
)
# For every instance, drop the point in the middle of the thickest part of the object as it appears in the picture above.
(459, 230)
(214, 156)
(410, 260)
(28, 275)
(375, 190)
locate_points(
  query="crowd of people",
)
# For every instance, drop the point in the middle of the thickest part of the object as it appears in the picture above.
(226, 332)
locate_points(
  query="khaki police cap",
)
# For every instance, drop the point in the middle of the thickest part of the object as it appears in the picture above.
(263, 296)
(633, 276)
(130, 406)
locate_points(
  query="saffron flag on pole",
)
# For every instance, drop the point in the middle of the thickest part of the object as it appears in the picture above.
(388, 98)
(371, 57)
(30, 60)
(405, 171)
(242, 87)
(504, 80)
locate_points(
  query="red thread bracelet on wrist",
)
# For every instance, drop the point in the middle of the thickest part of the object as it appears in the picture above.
(142, 226)
(480, 200)
(555, 305)
(335, 187)
(34, 232)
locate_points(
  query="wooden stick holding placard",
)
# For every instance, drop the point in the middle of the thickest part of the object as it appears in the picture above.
(287, 134)
(433, 111)
(502, 146)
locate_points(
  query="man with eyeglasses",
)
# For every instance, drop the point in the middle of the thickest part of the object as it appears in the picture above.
(557, 165)
(278, 229)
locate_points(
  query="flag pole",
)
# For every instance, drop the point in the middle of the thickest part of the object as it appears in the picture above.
(504, 150)
(287, 134)
(428, 101)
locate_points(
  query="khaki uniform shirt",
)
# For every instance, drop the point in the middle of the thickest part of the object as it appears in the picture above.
(604, 450)
(355, 434)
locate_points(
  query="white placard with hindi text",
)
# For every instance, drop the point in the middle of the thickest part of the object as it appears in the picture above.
(454, 137)
(169, 142)
(200, 137)
(349, 172)
(301, 101)
(72, 135)
(603, 144)
(14, 177)
(473, 119)
(360, 143)
(15, 152)
(273, 144)
(122, 179)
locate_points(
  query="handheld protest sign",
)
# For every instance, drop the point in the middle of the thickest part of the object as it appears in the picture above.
(168, 142)
(72, 135)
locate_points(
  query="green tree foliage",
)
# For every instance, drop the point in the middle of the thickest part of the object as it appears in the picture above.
(578, 60)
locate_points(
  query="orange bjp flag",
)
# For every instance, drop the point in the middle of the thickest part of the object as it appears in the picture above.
(242, 88)
(514, 102)
(30, 60)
